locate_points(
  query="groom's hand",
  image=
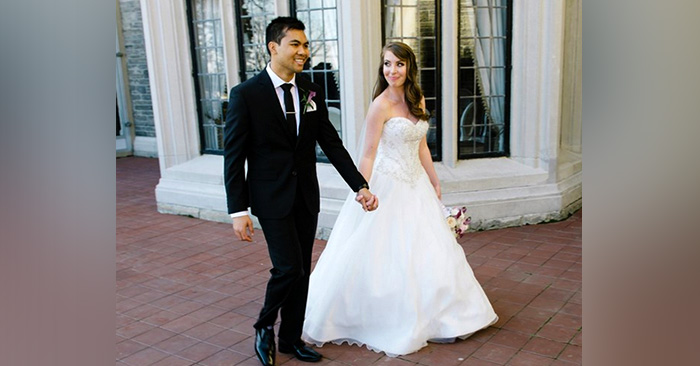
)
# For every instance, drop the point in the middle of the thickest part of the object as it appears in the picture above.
(241, 226)
(368, 201)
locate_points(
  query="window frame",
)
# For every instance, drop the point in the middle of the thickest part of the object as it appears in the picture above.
(437, 154)
(204, 149)
(238, 19)
(320, 157)
(507, 89)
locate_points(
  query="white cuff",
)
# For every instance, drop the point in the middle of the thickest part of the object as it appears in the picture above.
(239, 214)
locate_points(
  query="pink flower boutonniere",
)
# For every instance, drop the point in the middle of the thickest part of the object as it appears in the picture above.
(307, 102)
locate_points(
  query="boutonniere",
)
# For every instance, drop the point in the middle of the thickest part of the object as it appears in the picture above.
(308, 102)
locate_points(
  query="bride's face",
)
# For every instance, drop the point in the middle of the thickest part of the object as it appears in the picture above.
(394, 69)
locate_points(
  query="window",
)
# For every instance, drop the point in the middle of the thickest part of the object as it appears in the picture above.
(484, 78)
(321, 20)
(415, 22)
(253, 16)
(209, 71)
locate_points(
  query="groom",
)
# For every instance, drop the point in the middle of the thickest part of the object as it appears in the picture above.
(274, 121)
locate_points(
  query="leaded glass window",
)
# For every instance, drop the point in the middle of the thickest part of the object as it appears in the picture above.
(210, 72)
(484, 78)
(253, 16)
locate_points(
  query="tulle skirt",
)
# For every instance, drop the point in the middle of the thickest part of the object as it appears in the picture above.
(394, 278)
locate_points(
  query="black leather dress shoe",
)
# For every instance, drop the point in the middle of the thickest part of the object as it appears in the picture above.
(301, 351)
(265, 346)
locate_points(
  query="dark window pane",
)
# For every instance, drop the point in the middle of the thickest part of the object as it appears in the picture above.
(484, 55)
(210, 73)
(252, 18)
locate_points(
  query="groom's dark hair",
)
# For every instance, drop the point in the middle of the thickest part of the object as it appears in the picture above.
(278, 28)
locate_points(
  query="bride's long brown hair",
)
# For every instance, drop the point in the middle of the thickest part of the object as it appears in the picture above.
(412, 91)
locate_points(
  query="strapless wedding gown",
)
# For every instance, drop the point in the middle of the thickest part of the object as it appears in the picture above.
(394, 278)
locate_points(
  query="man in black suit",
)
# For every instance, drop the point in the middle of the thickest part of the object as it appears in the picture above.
(275, 126)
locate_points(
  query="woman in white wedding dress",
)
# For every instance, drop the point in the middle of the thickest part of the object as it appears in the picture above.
(395, 278)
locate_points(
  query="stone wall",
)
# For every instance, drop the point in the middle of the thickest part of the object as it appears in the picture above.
(137, 68)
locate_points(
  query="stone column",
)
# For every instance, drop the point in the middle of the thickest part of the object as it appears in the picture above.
(360, 47)
(536, 83)
(170, 72)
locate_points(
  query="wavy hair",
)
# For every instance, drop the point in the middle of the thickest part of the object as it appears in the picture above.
(412, 90)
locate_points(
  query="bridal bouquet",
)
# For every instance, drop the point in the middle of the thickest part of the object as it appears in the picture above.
(457, 220)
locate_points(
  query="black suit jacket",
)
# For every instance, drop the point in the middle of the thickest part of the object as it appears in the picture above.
(278, 162)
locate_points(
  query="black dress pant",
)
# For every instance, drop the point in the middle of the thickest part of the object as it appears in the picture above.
(290, 242)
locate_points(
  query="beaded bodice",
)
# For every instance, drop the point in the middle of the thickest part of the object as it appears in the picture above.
(397, 152)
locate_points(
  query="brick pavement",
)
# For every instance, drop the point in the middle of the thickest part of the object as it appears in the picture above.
(188, 293)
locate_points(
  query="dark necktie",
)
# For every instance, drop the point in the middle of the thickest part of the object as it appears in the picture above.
(289, 109)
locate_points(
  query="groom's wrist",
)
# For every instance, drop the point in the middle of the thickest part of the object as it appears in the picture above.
(364, 185)
(238, 214)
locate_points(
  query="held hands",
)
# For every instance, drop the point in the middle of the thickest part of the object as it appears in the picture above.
(368, 201)
(241, 226)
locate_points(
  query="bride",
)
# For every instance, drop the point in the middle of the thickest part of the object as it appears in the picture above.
(395, 278)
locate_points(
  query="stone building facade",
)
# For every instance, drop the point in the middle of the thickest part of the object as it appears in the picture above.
(136, 76)
(537, 179)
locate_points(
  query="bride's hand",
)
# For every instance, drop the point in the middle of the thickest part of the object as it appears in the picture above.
(367, 200)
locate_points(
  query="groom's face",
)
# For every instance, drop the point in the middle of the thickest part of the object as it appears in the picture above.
(289, 56)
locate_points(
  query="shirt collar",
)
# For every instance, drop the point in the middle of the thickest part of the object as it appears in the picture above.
(276, 80)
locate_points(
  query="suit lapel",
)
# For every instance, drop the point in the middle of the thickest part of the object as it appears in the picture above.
(300, 90)
(269, 93)
(304, 88)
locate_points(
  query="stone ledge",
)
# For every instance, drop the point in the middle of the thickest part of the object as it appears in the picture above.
(529, 219)
(191, 194)
(206, 169)
(466, 176)
(498, 192)
(199, 213)
(146, 147)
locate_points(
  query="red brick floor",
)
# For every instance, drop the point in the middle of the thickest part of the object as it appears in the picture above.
(188, 293)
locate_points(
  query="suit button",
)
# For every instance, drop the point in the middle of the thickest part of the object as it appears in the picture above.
(294, 173)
